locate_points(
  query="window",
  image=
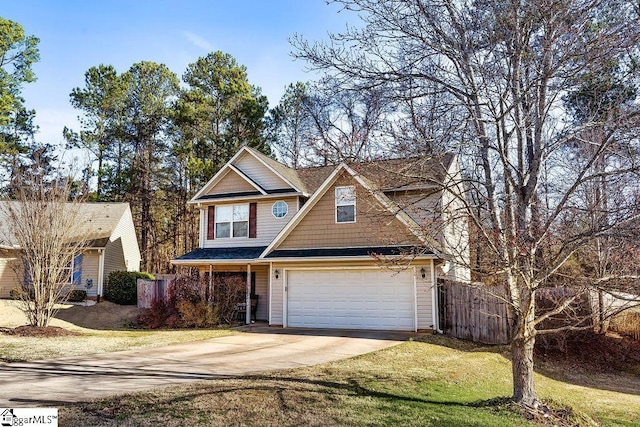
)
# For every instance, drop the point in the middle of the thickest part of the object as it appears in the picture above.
(232, 221)
(346, 204)
(280, 209)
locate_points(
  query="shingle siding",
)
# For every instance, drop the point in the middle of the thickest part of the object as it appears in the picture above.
(374, 226)
(231, 183)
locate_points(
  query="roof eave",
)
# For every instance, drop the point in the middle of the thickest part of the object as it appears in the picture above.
(346, 258)
(218, 261)
(242, 198)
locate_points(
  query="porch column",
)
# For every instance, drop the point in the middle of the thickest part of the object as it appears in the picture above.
(248, 299)
(210, 287)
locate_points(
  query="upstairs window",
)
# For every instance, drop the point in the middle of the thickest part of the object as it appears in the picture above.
(280, 209)
(232, 221)
(346, 204)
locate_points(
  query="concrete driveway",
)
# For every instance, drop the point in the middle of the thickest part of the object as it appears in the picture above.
(55, 382)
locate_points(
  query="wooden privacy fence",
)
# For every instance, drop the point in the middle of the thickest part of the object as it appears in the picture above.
(473, 312)
(149, 290)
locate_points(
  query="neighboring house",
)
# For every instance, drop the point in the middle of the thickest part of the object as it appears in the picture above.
(112, 246)
(342, 246)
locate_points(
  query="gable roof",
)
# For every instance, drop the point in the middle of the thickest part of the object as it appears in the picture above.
(288, 175)
(100, 221)
(387, 203)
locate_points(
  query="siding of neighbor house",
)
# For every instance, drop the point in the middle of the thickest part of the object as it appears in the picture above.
(231, 183)
(374, 224)
(258, 172)
(8, 278)
(262, 284)
(424, 288)
(267, 225)
(121, 252)
(90, 266)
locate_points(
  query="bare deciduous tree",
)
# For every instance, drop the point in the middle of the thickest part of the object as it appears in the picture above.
(502, 69)
(47, 232)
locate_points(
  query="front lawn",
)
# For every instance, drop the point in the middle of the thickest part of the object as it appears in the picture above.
(438, 382)
(101, 328)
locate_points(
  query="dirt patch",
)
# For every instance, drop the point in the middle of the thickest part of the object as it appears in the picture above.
(588, 351)
(105, 315)
(40, 331)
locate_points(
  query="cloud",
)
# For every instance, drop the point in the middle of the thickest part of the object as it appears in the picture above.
(198, 41)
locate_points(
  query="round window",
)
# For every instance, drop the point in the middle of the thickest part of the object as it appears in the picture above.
(280, 209)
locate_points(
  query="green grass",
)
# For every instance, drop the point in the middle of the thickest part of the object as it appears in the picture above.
(438, 382)
(21, 349)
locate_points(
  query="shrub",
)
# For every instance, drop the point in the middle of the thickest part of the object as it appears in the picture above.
(77, 295)
(187, 305)
(122, 287)
(16, 293)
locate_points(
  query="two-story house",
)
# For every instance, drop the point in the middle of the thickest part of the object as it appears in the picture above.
(355, 246)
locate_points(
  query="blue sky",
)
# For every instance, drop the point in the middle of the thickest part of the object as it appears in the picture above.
(76, 35)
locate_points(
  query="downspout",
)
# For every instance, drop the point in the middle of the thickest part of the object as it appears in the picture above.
(100, 274)
(434, 298)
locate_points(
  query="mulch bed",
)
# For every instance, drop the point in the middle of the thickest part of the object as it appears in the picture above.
(40, 332)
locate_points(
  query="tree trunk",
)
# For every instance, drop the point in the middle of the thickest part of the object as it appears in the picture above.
(522, 369)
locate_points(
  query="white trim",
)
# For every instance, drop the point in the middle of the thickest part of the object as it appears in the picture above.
(434, 296)
(285, 297)
(302, 212)
(336, 204)
(230, 222)
(270, 293)
(415, 300)
(247, 299)
(213, 179)
(354, 267)
(218, 261)
(203, 227)
(341, 258)
(273, 206)
(248, 150)
(100, 271)
(246, 178)
(208, 202)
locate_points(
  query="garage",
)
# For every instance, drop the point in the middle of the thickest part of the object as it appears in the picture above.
(351, 299)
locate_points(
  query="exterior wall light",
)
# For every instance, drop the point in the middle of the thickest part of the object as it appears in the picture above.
(276, 273)
(423, 272)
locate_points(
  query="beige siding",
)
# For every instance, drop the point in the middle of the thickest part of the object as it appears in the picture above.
(8, 277)
(424, 288)
(267, 225)
(262, 284)
(90, 266)
(258, 172)
(422, 208)
(424, 296)
(374, 224)
(231, 183)
(277, 292)
(455, 236)
(122, 251)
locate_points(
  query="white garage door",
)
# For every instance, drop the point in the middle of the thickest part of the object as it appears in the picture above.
(351, 299)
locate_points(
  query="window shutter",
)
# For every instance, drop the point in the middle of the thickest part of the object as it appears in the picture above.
(76, 277)
(211, 223)
(252, 220)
